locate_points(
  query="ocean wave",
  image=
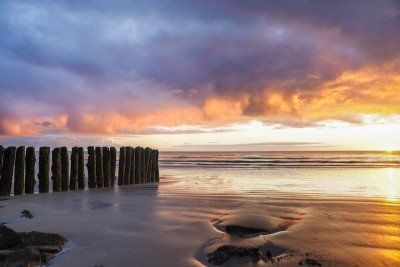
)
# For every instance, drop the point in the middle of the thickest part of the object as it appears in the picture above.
(270, 160)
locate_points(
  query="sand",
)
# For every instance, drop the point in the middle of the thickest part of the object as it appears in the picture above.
(179, 223)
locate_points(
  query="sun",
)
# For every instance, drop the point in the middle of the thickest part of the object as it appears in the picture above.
(390, 149)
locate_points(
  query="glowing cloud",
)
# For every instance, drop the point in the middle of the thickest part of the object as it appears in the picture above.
(147, 67)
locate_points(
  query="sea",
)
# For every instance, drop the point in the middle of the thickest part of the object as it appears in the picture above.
(360, 174)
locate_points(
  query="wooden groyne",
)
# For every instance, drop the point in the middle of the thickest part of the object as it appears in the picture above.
(136, 165)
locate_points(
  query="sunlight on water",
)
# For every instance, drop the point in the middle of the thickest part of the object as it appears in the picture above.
(337, 173)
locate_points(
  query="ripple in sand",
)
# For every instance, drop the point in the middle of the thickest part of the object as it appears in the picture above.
(256, 248)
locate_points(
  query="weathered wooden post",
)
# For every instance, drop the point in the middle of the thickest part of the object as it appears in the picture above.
(106, 167)
(1, 157)
(133, 166)
(149, 174)
(149, 166)
(91, 166)
(73, 179)
(144, 152)
(7, 171)
(155, 164)
(137, 165)
(64, 169)
(157, 172)
(128, 165)
(143, 165)
(19, 172)
(44, 168)
(146, 162)
(30, 160)
(113, 164)
(56, 169)
(81, 168)
(121, 166)
(99, 167)
(152, 166)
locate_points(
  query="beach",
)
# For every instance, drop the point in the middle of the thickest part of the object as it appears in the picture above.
(199, 133)
(335, 216)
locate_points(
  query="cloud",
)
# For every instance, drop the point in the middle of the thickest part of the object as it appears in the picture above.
(97, 67)
(57, 140)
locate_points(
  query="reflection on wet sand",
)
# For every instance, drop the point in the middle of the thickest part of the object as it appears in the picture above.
(181, 221)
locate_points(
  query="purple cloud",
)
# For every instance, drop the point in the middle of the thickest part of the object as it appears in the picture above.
(79, 64)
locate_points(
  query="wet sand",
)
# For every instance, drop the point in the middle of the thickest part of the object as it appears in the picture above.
(179, 223)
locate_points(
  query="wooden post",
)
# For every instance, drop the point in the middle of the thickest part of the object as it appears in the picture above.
(146, 160)
(81, 168)
(138, 165)
(7, 171)
(149, 165)
(142, 165)
(44, 168)
(91, 166)
(133, 166)
(30, 160)
(56, 169)
(152, 167)
(113, 164)
(148, 174)
(157, 174)
(73, 179)
(121, 166)
(19, 172)
(64, 169)
(1, 158)
(106, 166)
(99, 167)
(128, 165)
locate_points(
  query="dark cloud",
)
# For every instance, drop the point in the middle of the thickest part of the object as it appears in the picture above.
(81, 64)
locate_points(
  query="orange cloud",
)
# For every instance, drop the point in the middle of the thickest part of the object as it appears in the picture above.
(111, 123)
(370, 90)
(19, 126)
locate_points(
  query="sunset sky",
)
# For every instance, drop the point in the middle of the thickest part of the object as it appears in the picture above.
(201, 75)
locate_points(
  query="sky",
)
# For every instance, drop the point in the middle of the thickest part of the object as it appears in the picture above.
(201, 75)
